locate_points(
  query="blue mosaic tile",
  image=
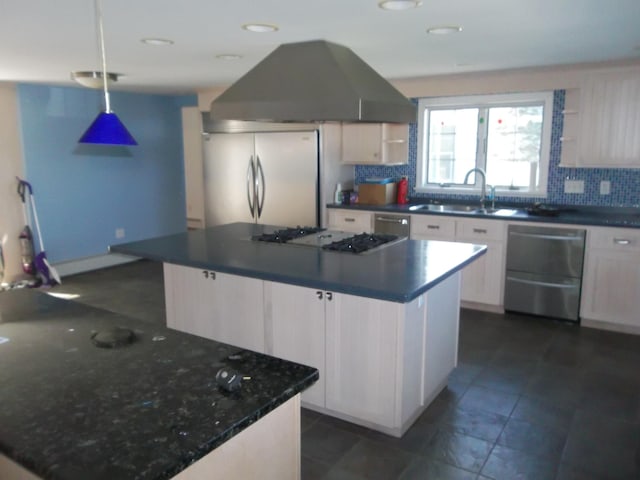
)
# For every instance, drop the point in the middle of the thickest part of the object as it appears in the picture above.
(625, 183)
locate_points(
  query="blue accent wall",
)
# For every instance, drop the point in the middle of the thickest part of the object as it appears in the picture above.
(83, 193)
(625, 183)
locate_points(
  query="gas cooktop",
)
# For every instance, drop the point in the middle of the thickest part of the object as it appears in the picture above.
(334, 240)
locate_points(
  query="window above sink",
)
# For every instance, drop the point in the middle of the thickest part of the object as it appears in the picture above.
(508, 136)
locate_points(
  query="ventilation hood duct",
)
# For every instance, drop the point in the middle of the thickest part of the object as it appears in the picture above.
(316, 81)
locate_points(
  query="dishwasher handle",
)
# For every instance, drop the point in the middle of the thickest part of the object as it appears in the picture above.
(400, 221)
(546, 236)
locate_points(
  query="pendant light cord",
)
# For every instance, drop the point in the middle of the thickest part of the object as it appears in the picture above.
(103, 56)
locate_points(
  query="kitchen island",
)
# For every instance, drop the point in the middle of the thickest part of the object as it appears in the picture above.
(381, 327)
(150, 409)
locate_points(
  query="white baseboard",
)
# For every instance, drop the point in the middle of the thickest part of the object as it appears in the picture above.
(88, 264)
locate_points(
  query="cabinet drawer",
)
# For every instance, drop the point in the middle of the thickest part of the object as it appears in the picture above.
(614, 239)
(480, 229)
(351, 221)
(432, 227)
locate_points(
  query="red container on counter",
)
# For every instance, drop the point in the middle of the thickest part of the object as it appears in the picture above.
(403, 190)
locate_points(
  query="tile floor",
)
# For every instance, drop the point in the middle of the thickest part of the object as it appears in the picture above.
(531, 399)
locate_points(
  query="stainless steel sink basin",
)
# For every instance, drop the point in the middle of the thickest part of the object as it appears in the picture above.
(457, 208)
(446, 208)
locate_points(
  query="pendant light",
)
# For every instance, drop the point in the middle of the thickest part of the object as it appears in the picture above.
(107, 127)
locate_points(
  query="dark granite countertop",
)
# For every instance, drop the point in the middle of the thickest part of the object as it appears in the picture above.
(397, 273)
(626, 217)
(70, 410)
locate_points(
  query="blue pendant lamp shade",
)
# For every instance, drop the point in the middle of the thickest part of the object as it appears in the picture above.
(106, 129)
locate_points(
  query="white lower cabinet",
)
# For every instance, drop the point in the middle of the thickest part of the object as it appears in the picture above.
(611, 279)
(215, 305)
(295, 318)
(482, 280)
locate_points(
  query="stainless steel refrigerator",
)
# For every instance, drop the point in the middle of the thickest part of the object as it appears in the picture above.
(266, 177)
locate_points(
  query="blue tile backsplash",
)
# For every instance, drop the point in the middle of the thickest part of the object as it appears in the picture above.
(625, 182)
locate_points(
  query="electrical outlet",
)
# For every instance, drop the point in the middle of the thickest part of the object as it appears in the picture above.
(605, 187)
(574, 186)
(119, 232)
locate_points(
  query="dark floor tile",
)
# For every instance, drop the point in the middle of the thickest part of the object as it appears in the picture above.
(462, 451)
(478, 354)
(571, 472)
(312, 469)
(603, 445)
(412, 441)
(610, 394)
(437, 409)
(476, 423)
(508, 379)
(555, 384)
(308, 418)
(543, 412)
(374, 461)
(326, 444)
(508, 464)
(422, 469)
(455, 390)
(465, 372)
(534, 439)
(480, 398)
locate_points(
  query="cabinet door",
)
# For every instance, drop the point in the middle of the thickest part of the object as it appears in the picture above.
(361, 143)
(362, 353)
(350, 220)
(297, 329)
(611, 278)
(219, 306)
(193, 166)
(482, 280)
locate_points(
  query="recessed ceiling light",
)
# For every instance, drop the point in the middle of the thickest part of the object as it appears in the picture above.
(229, 56)
(399, 4)
(260, 27)
(157, 41)
(444, 29)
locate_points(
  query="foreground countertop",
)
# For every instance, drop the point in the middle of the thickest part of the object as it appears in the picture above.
(398, 273)
(70, 410)
(625, 217)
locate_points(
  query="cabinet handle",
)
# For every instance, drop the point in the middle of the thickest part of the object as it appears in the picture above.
(621, 241)
(209, 274)
(349, 219)
(319, 294)
(433, 227)
(329, 296)
(479, 230)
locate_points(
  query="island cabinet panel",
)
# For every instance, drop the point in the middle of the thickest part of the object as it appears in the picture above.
(295, 325)
(374, 361)
(611, 279)
(215, 305)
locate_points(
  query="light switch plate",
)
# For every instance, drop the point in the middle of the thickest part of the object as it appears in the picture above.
(574, 186)
(605, 187)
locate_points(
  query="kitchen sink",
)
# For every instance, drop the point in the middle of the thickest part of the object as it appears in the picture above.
(453, 208)
(446, 208)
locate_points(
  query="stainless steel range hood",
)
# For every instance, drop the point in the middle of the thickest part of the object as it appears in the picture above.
(316, 81)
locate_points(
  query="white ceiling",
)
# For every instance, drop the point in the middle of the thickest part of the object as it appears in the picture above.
(43, 40)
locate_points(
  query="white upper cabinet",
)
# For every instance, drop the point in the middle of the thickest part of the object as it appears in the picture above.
(602, 122)
(375, 143)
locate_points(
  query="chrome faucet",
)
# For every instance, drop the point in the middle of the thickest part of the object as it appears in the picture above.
(483, 193)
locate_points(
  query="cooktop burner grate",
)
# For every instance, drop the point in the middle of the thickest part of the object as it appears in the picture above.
(286, 234)
(360, 243)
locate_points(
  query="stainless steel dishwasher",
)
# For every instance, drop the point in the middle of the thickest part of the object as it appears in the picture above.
(544, 271)
(392, 224)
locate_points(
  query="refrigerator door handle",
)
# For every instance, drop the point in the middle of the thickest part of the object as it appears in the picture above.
(260, 191)
(251, 196)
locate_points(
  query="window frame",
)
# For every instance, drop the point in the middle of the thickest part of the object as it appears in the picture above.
(483, 102)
